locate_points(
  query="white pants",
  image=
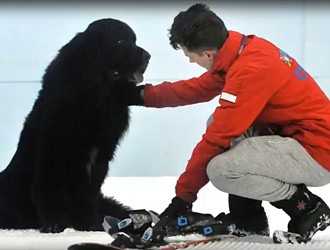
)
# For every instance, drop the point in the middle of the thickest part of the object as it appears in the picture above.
(265, 167)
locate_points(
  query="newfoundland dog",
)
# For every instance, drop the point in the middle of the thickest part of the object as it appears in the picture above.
(68, 139)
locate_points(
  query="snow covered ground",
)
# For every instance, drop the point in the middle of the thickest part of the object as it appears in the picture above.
(155, 193)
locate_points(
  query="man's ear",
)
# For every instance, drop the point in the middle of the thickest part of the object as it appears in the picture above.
(210, 54)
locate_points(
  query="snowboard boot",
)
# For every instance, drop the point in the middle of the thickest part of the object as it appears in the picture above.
(247, 215)
(308, 213)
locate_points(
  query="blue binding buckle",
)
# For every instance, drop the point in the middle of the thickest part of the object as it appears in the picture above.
(124, 223)
(182, 221)
(207, 230)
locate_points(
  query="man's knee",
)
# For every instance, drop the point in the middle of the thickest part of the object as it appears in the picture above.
(219, 174)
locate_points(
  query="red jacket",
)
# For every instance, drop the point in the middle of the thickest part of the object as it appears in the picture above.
(263, 87)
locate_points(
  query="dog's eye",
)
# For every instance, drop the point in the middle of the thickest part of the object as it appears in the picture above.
(125, 43)
(122, 42)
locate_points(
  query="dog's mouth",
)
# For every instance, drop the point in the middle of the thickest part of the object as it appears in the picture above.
(138, 75)
(136, 78)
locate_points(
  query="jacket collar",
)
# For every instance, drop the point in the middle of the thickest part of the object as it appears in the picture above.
(228, 53)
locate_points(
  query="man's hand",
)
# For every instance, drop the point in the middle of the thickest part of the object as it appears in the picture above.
(176, 208)
(134, 96)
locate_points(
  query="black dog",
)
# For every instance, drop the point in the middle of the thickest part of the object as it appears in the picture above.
(54, 179)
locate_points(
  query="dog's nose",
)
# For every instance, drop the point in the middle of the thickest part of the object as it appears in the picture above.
(146, 56)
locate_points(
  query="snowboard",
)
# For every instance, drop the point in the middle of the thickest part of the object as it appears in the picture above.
(170, 246)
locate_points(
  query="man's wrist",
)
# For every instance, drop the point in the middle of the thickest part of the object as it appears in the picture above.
(136, 96)
(142, 93)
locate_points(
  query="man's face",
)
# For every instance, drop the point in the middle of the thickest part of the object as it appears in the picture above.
(204, 59)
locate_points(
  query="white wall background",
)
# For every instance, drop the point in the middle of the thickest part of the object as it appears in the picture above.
(159, 141)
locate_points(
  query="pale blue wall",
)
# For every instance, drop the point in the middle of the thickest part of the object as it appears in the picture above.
(159, 142)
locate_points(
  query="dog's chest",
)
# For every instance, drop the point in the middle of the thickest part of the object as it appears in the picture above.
(92, 159)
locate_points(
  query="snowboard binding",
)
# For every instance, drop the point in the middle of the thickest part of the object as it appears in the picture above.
(144, 228)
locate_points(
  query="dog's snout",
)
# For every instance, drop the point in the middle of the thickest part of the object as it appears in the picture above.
(143, 54)
(146, 56)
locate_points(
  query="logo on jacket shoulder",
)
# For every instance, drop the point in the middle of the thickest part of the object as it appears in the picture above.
(299, 72)
(285, 58)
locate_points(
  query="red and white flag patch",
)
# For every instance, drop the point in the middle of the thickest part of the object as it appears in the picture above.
(228, 97)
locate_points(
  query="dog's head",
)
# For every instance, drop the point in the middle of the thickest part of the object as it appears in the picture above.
(108, 45)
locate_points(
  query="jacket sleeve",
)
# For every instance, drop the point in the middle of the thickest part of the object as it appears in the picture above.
(180, 93)
(241, 102)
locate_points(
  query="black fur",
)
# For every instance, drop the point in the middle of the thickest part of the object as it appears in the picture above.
(54, 179)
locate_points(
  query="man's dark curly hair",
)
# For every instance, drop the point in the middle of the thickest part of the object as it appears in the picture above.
(198, 29)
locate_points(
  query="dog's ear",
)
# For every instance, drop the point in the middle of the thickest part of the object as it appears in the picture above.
(82, 49)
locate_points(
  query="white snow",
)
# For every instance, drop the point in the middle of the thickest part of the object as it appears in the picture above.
(154, 193)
